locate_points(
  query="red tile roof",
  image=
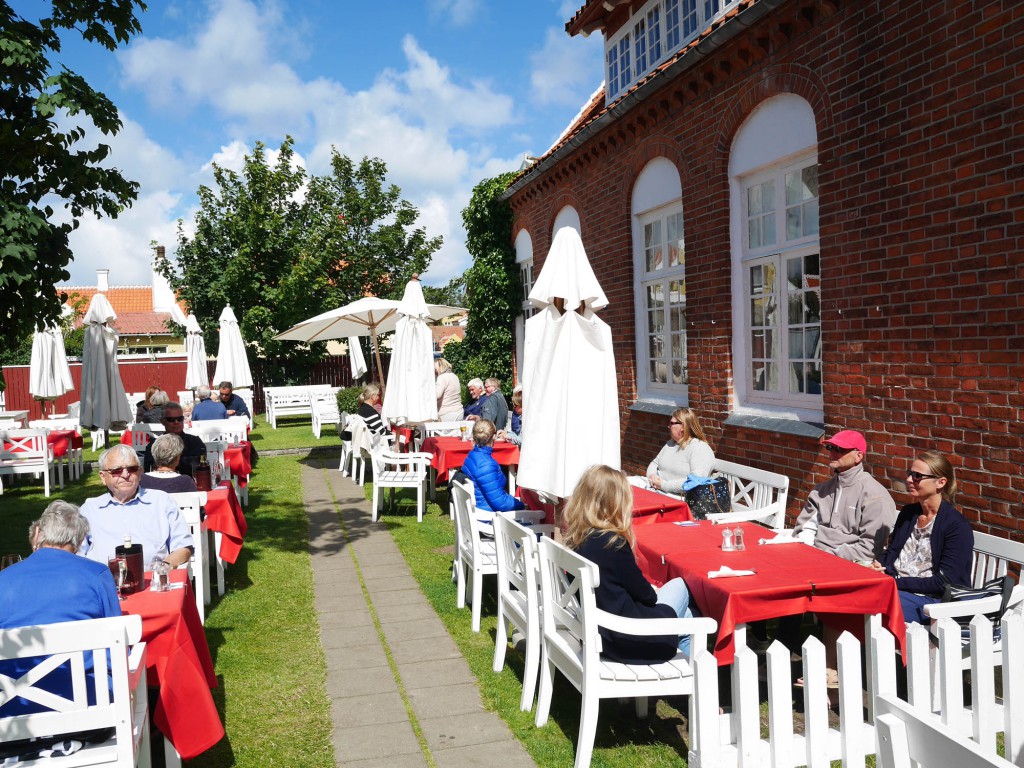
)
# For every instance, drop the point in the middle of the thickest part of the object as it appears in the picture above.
(143, 323)
(133, 305)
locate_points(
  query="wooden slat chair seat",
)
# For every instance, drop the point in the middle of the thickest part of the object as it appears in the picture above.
(118, 689)
(399, 470)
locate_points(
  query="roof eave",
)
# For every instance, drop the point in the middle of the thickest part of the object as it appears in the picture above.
(703, 48)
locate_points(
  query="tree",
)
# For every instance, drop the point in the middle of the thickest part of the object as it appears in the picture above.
(453, 294)
(281, 246)
(493, 291)
(41, 160)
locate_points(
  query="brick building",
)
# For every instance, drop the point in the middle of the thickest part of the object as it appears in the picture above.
(807, 215)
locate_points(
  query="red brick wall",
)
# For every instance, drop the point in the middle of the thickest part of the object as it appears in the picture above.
(920, 116)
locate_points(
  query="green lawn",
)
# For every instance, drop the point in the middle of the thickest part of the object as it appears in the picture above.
(622, 740)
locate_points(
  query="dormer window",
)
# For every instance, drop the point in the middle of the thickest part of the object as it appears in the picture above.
(651, 35)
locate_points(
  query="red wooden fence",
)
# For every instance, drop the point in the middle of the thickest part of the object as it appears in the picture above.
(168, 373)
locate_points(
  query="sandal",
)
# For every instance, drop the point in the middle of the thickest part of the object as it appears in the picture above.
(831, 679)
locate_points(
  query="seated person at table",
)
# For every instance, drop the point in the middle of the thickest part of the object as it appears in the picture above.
(483, 470)
(932, 543)
(166, 454)
(448, 391)
(599, 526)
(368, 401)
(850, 514)
(233, 404)
(514, 433)
(174, 424)
(207, 409)
(150, 410)
(475, 387)
(150, 517)
(494, 409)
(53, 585)
(686, 453)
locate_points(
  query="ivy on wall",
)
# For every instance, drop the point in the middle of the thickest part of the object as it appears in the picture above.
(493, 290)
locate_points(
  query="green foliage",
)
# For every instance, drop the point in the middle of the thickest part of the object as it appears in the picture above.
(453, 294)
(493, 291)
(281, 246)
(348, 399)
(46, 111)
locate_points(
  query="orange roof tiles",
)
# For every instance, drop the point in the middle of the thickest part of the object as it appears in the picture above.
(143, 323)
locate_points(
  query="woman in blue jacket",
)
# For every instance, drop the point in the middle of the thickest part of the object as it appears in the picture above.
(932, 543)
(487, 477)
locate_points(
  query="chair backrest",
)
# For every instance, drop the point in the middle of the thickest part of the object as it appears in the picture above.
(232, 430)
(463, 503)
(992, 557)
(517, 557)
(190, 503)
(761, 494)
(569, 607)
(73, 642)
(23, 445)
(55, 424)
(362, 438)
(74, 409)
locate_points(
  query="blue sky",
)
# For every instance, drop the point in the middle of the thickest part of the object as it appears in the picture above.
(446, 92)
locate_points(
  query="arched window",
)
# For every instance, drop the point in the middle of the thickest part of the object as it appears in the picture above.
(659, 259)
(776, 264)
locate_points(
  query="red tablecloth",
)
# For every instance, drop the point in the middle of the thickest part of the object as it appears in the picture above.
(178, 662)
(403, 438)
(653, 507)
(239, 458)
(791, 579)
(224, 514)
(63, 439)
(450, 452)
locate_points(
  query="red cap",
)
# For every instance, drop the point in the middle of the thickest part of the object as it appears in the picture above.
(848, 439)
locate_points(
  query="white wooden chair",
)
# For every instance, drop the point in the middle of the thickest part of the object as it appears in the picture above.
(247, 398)
(442, 428)
(399, 470)
(142, 435)
(757, 495)
(324, 406)
(361, 449)
(344, 420)
(475, 556)
(118, 690)
(190, 504)
(519, 596)
(186, 397)
(24, 452)
(572, 644)
(73, 459)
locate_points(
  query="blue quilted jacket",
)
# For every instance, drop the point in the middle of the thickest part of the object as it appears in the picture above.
(489, 482)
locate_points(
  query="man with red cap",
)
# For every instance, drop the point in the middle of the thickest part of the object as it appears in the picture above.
(850, 514)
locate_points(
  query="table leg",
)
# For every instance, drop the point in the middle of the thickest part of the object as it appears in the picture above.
(432, 482)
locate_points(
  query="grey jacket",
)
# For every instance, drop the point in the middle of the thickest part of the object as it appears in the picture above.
(859, 529)
(496, 409)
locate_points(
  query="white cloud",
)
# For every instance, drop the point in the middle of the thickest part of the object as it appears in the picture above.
(459, 12)
(567, 69)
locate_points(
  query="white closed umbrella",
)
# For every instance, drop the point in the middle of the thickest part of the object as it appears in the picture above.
(49, 374)
(570, 393)
(104, 403)
(411, 392)
(355, 358)
(368, 316)
(196, 372)
(232, 363)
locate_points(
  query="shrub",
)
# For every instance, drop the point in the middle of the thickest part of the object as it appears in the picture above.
(348, 399)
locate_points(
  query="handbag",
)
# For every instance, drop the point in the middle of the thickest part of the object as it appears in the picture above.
(1001, 586)
(709, 499)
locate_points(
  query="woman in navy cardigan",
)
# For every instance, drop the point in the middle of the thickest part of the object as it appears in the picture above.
(932, 543)
(599, 520)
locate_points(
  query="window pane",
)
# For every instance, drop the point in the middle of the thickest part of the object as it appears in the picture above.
(768, 196)
(640, 47)
(812, 343)
(674, 233)
(625, 62)
(810, 182)
(671, 25)
(678, 373)
(654, 34)
(796, 308)
(811, 218)
(658, 372)
(754, 233)
(689, 18)
(796, 379)
(757, 312)
(754, 200)
(768, 233)
(613, 72)
(772, 373)
(813, 378)
(757, 348)
(678, 345)
(796, 344)
(793, 229)
(657, 347)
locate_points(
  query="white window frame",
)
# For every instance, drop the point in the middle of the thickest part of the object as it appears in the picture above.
(778, 253)
(524, 262)
(664, 277)
(653, 33)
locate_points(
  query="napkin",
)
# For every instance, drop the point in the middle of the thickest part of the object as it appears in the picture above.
(784, 537)
(725, 571)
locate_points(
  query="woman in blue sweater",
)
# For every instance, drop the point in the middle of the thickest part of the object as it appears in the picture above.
(487, 477)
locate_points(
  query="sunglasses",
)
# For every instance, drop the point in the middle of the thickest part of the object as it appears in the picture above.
(174, 419)
(675, 423)
(837, 449)
(118, 471)
(917, 477)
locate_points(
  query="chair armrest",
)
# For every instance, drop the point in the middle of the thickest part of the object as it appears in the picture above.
(959, 608)
(525, 514)
(545, 529)
(698, 625)
(743, 516)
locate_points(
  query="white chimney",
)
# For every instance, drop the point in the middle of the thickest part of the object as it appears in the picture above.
(102, 280)
(163, 296)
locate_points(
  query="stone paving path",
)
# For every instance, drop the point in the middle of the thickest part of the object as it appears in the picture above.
(401, 693)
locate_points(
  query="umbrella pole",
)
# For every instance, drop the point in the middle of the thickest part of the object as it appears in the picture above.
(376, 354)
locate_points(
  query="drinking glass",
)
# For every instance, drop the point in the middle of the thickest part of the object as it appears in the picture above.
(9, 560)
(119, 570)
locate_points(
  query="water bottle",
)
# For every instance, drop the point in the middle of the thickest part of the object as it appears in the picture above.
(727, 545)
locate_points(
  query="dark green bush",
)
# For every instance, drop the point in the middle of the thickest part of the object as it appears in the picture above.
(348, 399)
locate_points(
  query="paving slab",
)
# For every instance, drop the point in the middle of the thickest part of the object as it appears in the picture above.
(359, 574)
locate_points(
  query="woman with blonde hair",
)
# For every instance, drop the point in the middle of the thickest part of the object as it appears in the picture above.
(686, 453)
(932, 543)
(368, 400)
(599, 526)
(448, 390)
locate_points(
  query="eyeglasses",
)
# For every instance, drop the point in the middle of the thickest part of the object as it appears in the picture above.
(837, 449)
(119, 471)
(174, 419)
(917, 477)
(675, 423)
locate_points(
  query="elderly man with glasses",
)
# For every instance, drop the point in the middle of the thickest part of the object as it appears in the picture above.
(850, 514)
(150, 517)
(174, 424)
